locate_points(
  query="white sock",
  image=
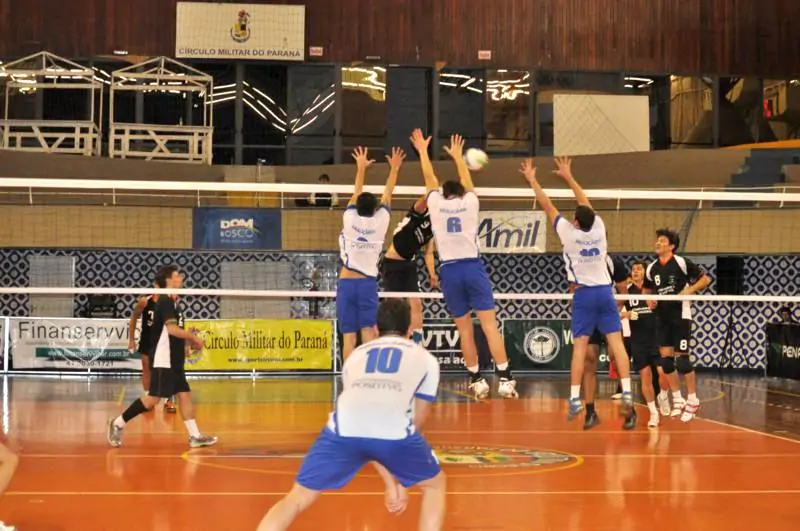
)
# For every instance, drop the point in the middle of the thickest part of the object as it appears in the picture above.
(191, 425)
(626, 384)
(118, 422)
(663, 394)
(653, 409)
(502, 366)
(676, 395)
(474, 369)
(574, 391)
(692, 398)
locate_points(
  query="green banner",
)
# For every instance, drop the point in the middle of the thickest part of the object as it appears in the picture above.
(542, 345)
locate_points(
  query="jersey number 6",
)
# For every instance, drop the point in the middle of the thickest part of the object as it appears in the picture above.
(454, 224)
(383, 360)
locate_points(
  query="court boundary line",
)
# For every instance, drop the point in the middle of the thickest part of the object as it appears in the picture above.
(278, 457)
(751, 430)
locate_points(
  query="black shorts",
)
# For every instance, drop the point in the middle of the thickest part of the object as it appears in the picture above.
(643, 355)
(399, 276)
(165, 383)
(674, 333)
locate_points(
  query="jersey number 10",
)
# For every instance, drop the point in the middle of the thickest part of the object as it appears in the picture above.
(383, 360)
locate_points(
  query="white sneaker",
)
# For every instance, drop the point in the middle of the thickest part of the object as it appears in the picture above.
(654, 420)
(507, 388)
(690, 411)
(4, 527)
(663, 405)
(677, 407)
(480, 389)
(616, 396)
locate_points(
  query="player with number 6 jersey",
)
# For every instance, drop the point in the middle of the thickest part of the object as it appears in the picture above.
(389, 385)
(466, 287)
(675, 275)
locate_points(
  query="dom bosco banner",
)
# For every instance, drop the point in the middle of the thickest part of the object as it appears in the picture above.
(253, 229)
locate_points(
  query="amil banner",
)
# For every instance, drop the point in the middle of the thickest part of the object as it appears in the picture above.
(236, 228)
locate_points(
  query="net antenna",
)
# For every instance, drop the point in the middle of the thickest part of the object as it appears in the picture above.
(178, 142)
(47, 71)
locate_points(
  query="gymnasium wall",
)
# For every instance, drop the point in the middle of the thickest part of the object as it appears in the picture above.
(712, 231)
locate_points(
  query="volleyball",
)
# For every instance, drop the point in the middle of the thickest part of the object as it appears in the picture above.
(476, 159)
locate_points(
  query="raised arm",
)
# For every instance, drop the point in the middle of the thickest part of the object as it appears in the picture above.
(362, 163)
(395, 161)
(529, 172)
(564, 170)
(456, 152)
(420, 143)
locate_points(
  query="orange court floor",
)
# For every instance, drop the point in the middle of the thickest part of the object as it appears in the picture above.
(513, 465)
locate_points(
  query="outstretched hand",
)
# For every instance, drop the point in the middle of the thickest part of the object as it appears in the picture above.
(456, 147)
(419, 141)
(563, 167)
(360, 156)
(396, 159)
(528, 170)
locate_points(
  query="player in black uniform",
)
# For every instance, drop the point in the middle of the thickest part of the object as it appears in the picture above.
(644, 350)
(399, 266)
(675, 275)
(167, 364)
(619, 275)
(146, 309)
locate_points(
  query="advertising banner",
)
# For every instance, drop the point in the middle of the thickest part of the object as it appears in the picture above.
(240, 31)
(544, 345)
(783, 353)
(71, 344)
(236, 228)
(441, 338)
(261, 345)
(512, 232)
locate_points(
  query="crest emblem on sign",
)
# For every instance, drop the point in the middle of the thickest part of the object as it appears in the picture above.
(240, 32)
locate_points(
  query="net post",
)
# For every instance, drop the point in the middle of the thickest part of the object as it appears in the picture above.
(30, 196)
(6, 342)
(335, 344)
(619, 201)
(114, 196)
(700, 205)
(783, 192)
(198, 198)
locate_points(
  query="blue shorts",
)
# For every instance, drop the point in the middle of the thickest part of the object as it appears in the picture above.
(594, 307)
(466, 287)
(333, 460)
(356, 304)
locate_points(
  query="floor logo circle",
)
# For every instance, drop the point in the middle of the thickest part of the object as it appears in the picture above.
(497, 457)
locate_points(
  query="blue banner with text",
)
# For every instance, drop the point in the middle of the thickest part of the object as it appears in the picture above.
(236, 228)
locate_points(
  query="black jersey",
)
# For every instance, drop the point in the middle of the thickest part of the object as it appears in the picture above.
(617, 269)
(412, 234)
(146, 333)
(670, 278)
(168, 351)
(643, 329)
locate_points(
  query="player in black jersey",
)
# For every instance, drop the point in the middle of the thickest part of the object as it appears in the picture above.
(644, 350)
(675, 275)
(146, 309)
(167, 362)
(619, 275)
(399, 266)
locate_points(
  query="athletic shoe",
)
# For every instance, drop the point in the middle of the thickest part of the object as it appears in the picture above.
(630, 420)
(654, 420)
(663, 405)
(626, 407)
(575, 408)
(169, 406)
(689, 411)
(616, 396)
(480, 389)
(4, 527)
(202, 441)
(113, 435)
(677, 408)
(507, 388)
(591, 420)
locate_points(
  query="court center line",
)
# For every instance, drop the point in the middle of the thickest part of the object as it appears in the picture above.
(379, 492)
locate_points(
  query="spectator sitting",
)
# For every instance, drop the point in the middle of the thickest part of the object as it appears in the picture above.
(785, 314)
(322, 199)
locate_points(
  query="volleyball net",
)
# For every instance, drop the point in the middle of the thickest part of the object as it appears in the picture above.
(262, 293)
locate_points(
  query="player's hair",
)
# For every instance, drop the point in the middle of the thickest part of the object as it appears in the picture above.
(671, 236)
(584, 215)
(366, 205)
(163, 274)
(394, 317)
(453, 189)
(639, 263)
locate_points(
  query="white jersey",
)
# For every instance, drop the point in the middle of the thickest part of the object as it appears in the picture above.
(361, 240)
(455, 225)
(585, 252)
(380, 381)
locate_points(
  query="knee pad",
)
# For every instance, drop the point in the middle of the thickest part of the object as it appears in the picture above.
(684, 365)
(668, 364)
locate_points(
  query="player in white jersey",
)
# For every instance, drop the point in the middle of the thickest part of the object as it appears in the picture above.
(454, 212)
(389, 385)
(360, 245)
(593, 303)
